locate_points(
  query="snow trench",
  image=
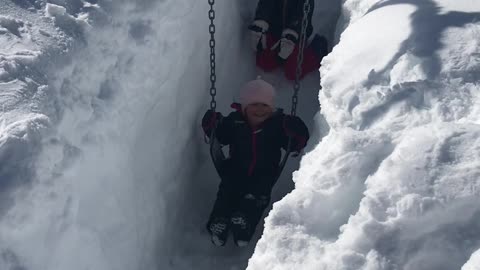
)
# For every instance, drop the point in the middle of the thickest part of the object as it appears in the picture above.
(103, 164)
(116, 172)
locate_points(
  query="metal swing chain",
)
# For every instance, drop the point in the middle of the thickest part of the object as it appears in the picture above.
(301, 47)
(296, 85)
(213, 76)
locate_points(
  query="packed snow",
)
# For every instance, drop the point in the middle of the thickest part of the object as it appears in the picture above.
(103, 163)
(395, 184)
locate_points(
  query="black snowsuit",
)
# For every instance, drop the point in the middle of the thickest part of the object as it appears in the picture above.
(283, 14)
(248, 176)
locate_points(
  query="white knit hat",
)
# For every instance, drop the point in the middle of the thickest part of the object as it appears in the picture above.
(257, 91)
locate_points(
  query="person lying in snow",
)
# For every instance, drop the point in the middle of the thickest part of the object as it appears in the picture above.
(275, 34)
(255, 133)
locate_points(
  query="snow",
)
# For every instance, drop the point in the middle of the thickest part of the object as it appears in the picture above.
(473, 263)
(385, 188)
(103, 165)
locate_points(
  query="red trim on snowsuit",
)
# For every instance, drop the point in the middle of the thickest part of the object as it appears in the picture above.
(236, 106)
(254, 153)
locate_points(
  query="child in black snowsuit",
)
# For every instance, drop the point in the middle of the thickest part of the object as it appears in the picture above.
(255, 133)
(275, 35)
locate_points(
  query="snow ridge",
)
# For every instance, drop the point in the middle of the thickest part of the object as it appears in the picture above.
(401, 159)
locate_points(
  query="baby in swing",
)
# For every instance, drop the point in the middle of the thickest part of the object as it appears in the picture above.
(275, 36)
(255, 133)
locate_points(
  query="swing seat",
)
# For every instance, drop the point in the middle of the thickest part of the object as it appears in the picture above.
(218, 157)
(217, 152)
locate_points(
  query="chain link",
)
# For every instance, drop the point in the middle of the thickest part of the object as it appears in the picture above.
(213, 76)
(296, 86)
(301, 48)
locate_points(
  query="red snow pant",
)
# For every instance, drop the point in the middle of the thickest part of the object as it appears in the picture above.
(268, 59)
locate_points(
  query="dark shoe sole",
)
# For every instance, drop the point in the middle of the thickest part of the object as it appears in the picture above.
(217, 241)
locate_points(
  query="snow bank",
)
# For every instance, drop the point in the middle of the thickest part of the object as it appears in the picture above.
(111, 183)
(474, 262)
(385, 188)
(27, 41)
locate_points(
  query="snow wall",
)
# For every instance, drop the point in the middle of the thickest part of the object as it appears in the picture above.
(395, 184)
(100, 159)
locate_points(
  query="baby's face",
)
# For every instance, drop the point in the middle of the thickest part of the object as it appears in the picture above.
(257, 113)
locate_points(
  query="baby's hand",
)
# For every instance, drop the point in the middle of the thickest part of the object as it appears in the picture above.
(297, 131)
(210, 120)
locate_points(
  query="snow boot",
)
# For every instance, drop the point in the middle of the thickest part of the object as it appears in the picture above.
(219, 231)
(240, 230)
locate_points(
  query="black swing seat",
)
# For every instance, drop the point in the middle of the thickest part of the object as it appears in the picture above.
(218, 157)
(217, 154)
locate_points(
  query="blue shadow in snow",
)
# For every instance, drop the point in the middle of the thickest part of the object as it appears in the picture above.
(428, 25)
